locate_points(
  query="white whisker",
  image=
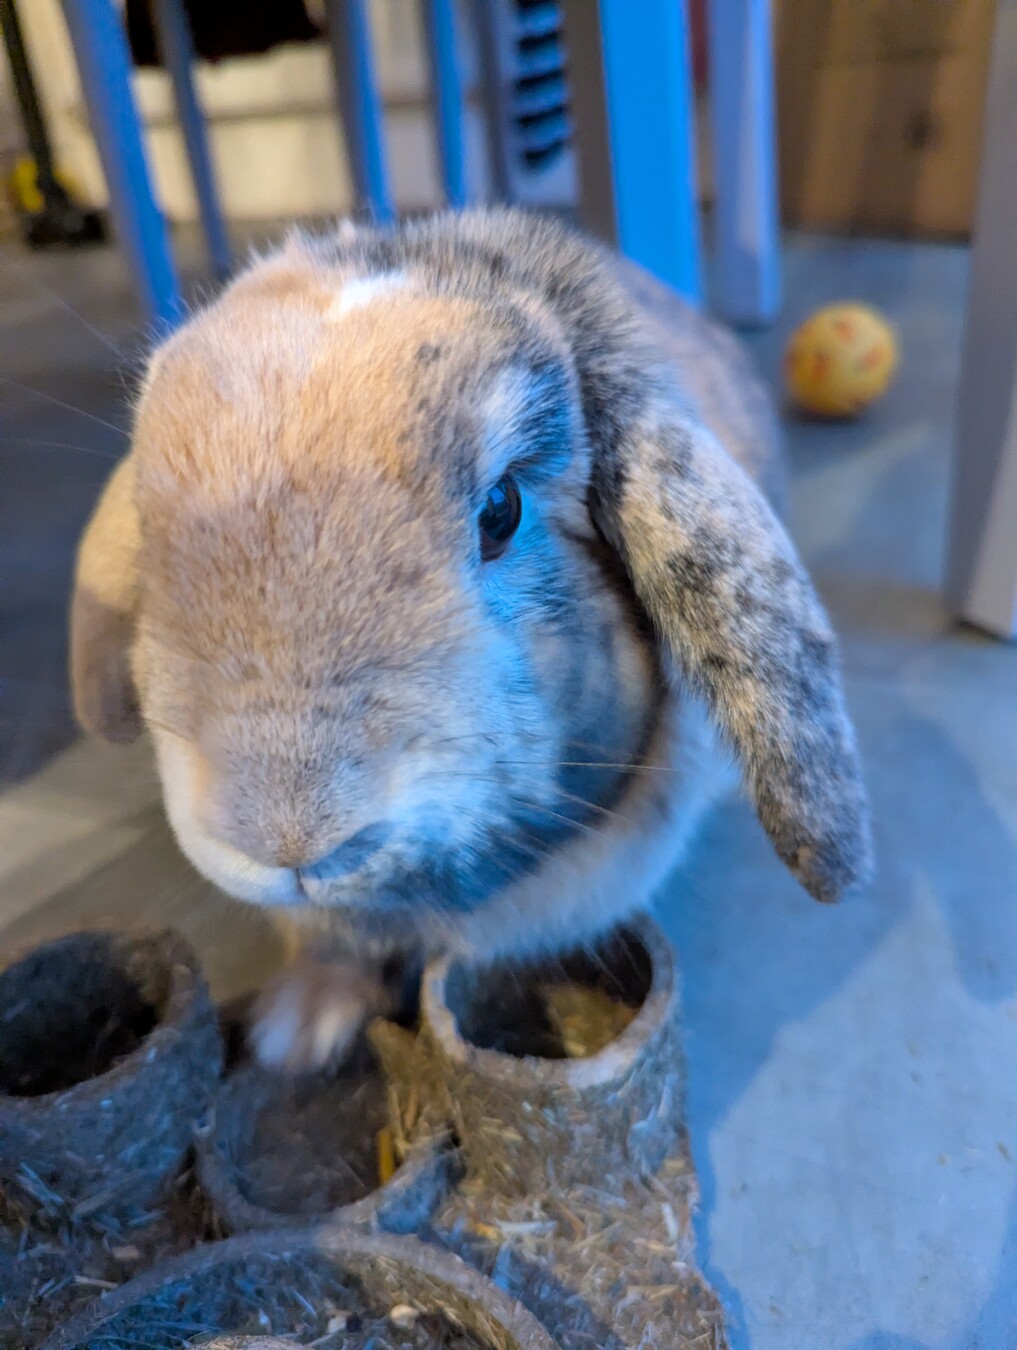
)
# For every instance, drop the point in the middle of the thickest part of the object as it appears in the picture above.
(567, 820)
(59, 300)
(60, 445)
(59, 403)
(587, 764)
(590, 806)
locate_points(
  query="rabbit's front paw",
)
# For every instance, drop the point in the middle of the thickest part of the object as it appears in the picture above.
(309, 1015)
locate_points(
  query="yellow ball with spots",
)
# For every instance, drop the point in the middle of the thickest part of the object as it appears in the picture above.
(840, 360)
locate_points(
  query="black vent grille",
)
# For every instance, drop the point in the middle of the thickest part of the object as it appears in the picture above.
(540, 111)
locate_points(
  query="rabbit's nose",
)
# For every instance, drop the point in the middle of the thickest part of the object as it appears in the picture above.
(293, 846)
(346, 857)
(295, 854)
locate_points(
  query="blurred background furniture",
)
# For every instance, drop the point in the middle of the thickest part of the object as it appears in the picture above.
(49, 214)
(629, 80)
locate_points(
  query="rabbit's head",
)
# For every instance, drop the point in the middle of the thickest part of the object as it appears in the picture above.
(405, 552)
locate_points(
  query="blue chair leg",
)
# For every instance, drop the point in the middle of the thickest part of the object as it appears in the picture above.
(648, 81)
(591, 137)
(100, 46)
(747, 233)
(178, 54)
(447, 94)
(360, 107)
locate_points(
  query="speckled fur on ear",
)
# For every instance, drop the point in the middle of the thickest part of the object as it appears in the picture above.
(728, 596)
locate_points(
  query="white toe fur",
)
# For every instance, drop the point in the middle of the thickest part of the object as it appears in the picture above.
(308, 1018)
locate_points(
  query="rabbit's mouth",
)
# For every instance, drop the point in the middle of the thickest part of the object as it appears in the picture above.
(425, 870)
(349, 857)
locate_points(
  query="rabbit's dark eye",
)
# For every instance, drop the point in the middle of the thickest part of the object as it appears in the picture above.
(499, 518)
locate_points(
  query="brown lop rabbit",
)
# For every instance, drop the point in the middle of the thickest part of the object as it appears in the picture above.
(445, 571)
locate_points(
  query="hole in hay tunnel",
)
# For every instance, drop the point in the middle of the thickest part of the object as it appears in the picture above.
(71, 1010)
(303, 1147)
(567, 1008)
(304, 1299)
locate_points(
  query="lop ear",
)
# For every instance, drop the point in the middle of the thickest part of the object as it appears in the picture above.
(103, 614)
(734, 610)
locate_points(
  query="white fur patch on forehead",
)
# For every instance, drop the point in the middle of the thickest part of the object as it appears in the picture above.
(363, 291)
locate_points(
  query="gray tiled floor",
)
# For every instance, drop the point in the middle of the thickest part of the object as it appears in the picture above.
(852, 1071)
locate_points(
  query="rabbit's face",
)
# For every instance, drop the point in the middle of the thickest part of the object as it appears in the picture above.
(380, 647)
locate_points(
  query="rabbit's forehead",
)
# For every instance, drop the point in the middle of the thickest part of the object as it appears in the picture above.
(372, 375)
(324, 343)
(283, 482)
